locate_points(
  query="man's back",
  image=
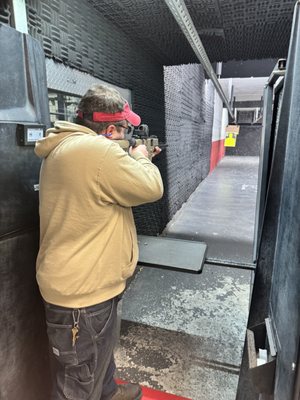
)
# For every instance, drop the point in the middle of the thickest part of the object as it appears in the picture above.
(88, 239)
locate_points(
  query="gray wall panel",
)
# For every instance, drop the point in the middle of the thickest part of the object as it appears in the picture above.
(189, 118)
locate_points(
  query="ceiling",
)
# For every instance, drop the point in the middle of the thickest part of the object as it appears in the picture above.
(229, 29)
(245, 89)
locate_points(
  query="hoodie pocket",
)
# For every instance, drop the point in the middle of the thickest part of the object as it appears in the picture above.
(131, 247)
(129, 263)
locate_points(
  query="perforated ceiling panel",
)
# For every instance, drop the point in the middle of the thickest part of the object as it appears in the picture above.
(229, 29)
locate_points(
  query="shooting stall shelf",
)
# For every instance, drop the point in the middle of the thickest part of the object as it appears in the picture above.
(169, 253)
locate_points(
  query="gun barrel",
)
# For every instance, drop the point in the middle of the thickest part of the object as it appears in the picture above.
(162, 146)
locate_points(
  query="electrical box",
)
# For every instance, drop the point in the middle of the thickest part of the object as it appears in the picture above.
(27, 135)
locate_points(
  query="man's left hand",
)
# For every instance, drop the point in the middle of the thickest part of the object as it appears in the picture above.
(156, 151)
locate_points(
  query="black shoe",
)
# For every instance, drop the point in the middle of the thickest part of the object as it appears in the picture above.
(128, 391)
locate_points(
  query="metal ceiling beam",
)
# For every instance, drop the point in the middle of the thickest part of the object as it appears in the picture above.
(184, 20)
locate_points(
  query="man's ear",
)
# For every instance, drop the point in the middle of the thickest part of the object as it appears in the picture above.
(110, 128)
(108, 131)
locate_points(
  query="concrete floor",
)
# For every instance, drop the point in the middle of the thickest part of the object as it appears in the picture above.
(225, 219)
(184, 333)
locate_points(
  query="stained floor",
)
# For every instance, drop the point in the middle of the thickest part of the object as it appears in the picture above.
(184, 333)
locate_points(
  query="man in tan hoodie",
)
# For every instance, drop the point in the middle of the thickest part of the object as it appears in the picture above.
(88, 243)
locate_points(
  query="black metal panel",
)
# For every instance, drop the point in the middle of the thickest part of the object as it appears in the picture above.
(13, 78)
(263, 166)
(278, 257)
(263, 277)
(36, 75)
(19, 174)
(248, 68)
(23, 72)
(24, 346)
(285, 298)
(23, 98)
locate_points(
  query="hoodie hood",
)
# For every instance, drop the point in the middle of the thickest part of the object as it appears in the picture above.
(54, 136)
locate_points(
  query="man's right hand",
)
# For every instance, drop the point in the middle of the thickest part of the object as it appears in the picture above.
(141, 148)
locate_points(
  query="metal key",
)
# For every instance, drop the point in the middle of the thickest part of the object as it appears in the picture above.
(75, 328)
(74, 335)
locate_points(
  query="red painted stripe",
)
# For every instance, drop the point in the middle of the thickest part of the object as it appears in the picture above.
(151, 394)
(217, 153)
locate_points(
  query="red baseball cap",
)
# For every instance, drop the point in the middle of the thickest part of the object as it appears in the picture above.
(126, 114)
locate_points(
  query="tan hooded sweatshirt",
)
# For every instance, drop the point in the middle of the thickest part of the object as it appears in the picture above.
(88, 244)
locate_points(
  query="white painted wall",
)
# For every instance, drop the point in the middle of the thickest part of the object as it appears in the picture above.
(225, 120)
(217, 121)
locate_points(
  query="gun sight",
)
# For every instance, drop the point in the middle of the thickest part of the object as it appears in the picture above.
(142, 131)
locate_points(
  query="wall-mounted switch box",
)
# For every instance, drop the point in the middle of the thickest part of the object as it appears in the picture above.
(27, 135)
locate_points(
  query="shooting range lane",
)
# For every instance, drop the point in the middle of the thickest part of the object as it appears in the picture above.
(221, 211)
(184, 333)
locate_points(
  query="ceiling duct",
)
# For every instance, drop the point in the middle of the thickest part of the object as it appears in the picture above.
(184, 20)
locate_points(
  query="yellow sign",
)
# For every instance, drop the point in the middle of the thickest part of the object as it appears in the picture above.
(230, 140)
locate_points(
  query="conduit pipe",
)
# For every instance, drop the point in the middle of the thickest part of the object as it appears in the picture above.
(184, 20)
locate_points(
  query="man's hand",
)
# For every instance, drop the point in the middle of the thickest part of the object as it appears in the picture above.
(140, 148)
(157, 150)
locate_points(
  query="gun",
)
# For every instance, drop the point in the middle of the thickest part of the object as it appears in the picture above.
(139, 136)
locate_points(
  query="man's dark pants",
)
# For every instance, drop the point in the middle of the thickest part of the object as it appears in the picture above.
(83, 370)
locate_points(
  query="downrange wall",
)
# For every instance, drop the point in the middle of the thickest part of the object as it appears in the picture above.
(247, 142)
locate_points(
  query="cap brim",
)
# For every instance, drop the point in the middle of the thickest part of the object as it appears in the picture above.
(133, 118)
(130, 116)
